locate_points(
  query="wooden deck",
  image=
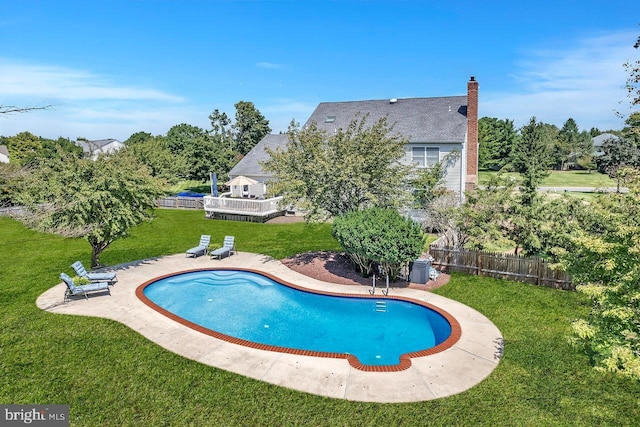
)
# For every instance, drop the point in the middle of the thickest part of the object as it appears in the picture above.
(242, 209)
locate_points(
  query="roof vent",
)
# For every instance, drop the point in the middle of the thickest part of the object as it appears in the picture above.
(393, 100)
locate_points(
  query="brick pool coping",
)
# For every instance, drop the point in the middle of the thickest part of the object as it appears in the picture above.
(405, 359)
(464, 365)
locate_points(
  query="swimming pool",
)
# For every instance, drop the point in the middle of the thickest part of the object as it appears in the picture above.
(257, 310)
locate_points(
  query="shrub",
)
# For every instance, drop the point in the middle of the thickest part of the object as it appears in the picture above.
(381, 236)
(81, 280)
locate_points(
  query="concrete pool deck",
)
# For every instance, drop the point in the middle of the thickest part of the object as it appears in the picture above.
(470, 360)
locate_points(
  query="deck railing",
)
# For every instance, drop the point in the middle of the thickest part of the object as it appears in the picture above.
(242, 206)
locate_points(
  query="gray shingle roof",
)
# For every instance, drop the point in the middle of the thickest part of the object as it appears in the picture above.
(4, 150)
(424, 120)
(442, 119)
(250, 164)
(602, 138)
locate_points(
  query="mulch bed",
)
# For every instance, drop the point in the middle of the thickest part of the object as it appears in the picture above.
(336, 267)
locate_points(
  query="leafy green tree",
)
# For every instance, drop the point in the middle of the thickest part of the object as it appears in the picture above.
(138, 137)
(208, 154)
(531, 156)
(24, 148)
(604, 261)
(618, 154)
(221, 123)
(10, 176)
(379, 235)
(429, 183)
(353, 169)
(154, 153)
(57, 148)
(250, 127)
(99, 200)
(201, 151)
(481, 219)
(496, 139)
(571, 145)
(181, 136)
(633, 81)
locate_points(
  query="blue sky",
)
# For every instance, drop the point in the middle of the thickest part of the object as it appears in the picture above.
(112, 68)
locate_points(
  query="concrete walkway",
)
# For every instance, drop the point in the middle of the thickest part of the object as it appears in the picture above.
(452, 371)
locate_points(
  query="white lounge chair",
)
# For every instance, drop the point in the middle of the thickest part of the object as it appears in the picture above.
(94, 277)
(228, 247)
(73, 290)
(202, 247)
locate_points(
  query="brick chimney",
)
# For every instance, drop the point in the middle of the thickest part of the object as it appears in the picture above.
(471, 179)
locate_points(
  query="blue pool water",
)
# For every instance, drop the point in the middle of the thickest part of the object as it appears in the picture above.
(253, 307)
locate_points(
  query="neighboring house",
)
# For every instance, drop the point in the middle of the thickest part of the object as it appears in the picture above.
(4, 154)
(250, 167)
(101, 146)
(433, 128)
(599, 140)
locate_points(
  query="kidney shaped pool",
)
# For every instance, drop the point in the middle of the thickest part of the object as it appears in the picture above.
(257, 310)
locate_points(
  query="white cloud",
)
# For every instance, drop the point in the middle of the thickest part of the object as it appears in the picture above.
(53, 82)
(269, 65)
(84, 104)
(584, 82)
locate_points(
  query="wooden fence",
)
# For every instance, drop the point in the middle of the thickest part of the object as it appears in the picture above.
(501, 266)
(181, 202)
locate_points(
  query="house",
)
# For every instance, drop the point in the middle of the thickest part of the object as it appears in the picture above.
(432, 127)
(599, 141)
(4, 154)
(101, 146)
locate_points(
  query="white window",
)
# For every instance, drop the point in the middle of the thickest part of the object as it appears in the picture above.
(425, 156)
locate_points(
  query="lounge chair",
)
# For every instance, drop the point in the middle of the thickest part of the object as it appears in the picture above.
(73, 290)
(228, 247)
(94, 277)
(202, 247)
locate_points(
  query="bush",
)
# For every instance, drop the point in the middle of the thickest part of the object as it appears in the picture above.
(81, 280)
(381, 236)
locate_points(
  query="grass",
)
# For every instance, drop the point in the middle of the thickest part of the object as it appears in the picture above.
(561, 179)
(112, 376)
(193, 185)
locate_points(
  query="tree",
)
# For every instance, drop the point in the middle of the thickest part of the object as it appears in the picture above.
(633, 81)
(154, 153)
(10, 109)
(531, 156)
(604, 262)
(179, 137)
(617, 154)
(10, 177)
(138, 137)
(24, 148)
(496, 140)
(329, 175)
(382, 236)
(99, 200)
(482, 218)
(571, 145)
(429, 182)
(250, 127)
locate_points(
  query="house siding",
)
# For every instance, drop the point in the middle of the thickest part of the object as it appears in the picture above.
(455, 166)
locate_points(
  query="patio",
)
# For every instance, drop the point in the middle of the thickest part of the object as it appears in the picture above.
(452, 371)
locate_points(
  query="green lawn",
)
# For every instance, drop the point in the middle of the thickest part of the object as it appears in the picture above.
(562, 179)
(112, 376)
